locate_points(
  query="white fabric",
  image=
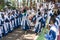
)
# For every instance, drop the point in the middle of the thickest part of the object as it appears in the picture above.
(11, 27)
(18, 21)
(54, 29)
(45, 5)
(0, 32)
(5, 28)
(42, 9)
(13, 23)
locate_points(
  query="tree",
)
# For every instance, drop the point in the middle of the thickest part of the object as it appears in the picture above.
(1, 4)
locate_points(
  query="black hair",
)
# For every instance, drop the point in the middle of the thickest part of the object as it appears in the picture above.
(58, 12)
(13, 12)
(24, 10)
(2, 16)
(55, 15)
(45, 10)
(39, 13)
(16, 11)
(38, 9)
(53, 19)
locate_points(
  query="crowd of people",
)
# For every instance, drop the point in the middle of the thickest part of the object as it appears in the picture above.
(23, 17)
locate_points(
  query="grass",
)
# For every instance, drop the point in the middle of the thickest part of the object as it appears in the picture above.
(1, 7)
(44, 30)
(42, 34)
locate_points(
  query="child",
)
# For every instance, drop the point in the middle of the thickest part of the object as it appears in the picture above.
(50, 13)
(45, 14)
(6, 24)
(57, 21)
(35, 16)
(2, 19)
(25, 23)
(37, 27)
(20, 18)
(33, 19)
(58, 37)
(15, 16)
(44, 18)
(12, 19)
(10, 23)
(53, 30)
(58, 14)
(1, 26)
(38, 13)
(18, 23)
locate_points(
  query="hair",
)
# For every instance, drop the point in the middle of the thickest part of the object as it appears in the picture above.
(55, 15)
(53, 19)
(24, 10)
(2, 16)
(58, 12)
(13, 12)
(45, 10)
(16, 11)
(38, 9)
(39, 13)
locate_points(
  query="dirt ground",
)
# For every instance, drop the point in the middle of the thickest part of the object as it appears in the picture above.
(19, 34)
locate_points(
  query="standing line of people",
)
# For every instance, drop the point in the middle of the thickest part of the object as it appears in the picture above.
(9, 21)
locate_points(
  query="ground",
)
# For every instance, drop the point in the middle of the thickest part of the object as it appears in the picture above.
(41, 36)
(18, 34)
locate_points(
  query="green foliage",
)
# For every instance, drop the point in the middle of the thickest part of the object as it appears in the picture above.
(1, 4)
(42, 34)
(8, 3)
(1, 7)
(12, 7)
(1, 0)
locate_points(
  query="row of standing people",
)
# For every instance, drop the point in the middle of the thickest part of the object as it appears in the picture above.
(12, 19)
(54, 26)
(9, 21)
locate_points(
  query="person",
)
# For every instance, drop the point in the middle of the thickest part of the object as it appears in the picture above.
(53, 30)
(17, 14)
(50, 8)
(20, 17)
(44, 18)
(10, 23)
(1, 25)
(38, 4)
(38, 14)
(25, 23)
(15, 17)
(6, 24)
(33, 19)
(42, 15)
(59, 19)
(38, 27)
(0, 33)
(12, 19)
(45, 15)
(58, 37)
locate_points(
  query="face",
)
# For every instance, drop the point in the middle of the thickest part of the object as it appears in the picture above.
(51, 22)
